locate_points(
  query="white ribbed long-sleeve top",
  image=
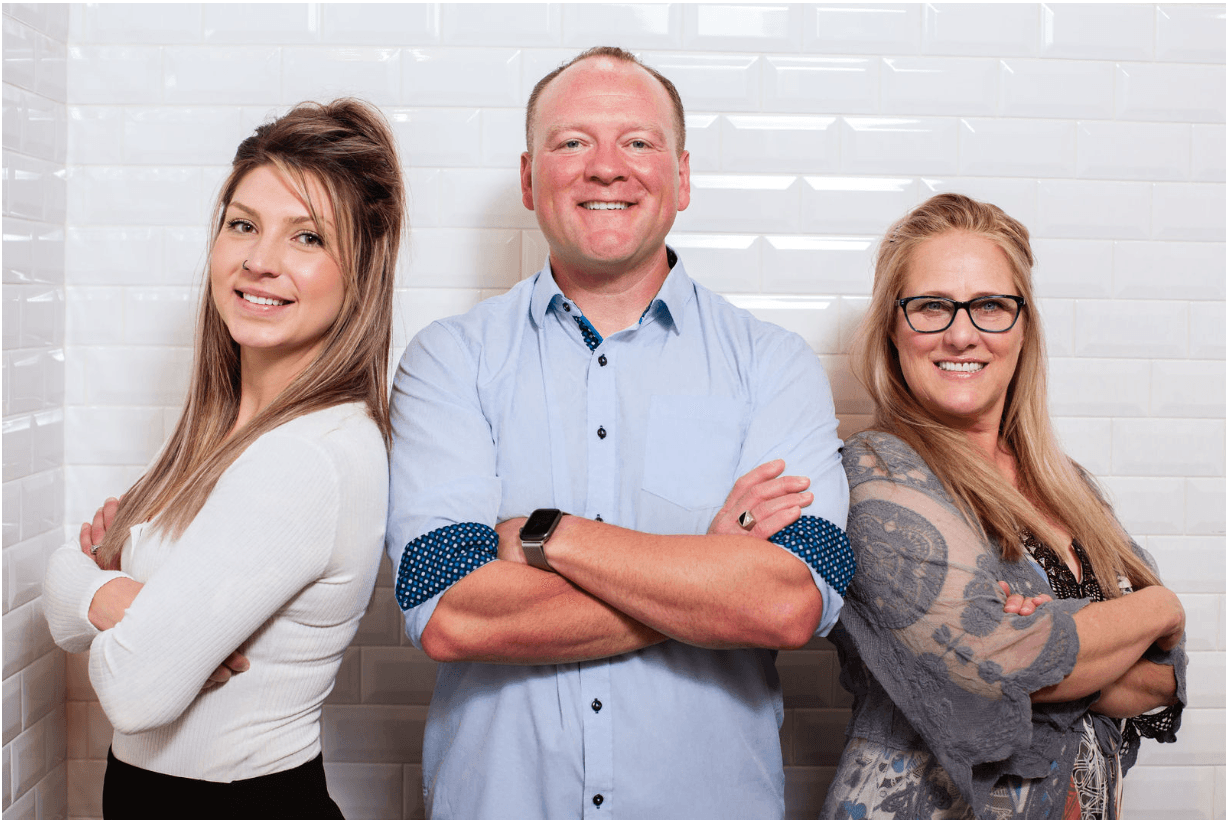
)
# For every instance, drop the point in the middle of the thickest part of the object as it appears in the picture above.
(279, 564)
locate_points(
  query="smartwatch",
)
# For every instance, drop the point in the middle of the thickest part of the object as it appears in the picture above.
(534, 535)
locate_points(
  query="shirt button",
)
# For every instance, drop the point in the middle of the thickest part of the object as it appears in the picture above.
(567, 307)
(600, 432)
(601, 360)
(599, 518)
(596, 705)
(598, 800)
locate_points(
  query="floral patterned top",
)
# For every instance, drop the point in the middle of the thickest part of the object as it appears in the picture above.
(943, 725)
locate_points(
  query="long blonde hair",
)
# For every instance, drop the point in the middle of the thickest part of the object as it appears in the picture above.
(1051, 486)
(347, 147)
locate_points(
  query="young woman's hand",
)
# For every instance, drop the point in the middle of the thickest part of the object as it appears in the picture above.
(92, 533)
(113, 598)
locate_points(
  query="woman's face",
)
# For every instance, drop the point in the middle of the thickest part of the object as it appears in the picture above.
(959, 374)
(275, 283)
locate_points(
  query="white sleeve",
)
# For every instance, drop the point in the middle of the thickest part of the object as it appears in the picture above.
(68, 590)
(267, 530)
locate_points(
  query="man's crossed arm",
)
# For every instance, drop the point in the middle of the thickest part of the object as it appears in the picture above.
(617, 590)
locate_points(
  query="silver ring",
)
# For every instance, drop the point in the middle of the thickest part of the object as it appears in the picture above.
(94, 549)
(746, 521)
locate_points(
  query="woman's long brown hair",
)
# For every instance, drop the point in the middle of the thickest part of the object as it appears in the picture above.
(346, 147)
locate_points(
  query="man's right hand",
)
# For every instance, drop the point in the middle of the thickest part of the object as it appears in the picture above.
(509, 540)
(774, 500)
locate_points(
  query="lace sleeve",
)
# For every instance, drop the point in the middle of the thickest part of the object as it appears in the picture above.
(1161, 725)
(925, 613)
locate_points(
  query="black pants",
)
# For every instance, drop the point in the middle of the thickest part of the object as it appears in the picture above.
(132, 793)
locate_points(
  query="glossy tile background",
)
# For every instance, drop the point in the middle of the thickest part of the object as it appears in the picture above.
(811, 128)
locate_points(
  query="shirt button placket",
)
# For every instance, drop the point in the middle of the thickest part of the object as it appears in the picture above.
(601, 499)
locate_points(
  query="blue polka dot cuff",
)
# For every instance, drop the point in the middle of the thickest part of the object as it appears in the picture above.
(823, 546)
(435, 561)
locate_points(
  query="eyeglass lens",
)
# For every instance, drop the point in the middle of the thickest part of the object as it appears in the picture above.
(990, 313)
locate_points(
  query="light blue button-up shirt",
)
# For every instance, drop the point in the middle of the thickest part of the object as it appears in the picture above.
(507, 409)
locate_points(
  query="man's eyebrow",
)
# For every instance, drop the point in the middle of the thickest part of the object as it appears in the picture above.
(651, 128)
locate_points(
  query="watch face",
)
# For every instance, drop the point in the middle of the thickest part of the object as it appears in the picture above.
(539, 525)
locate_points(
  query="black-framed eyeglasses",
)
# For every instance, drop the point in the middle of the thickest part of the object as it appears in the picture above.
(990, 314)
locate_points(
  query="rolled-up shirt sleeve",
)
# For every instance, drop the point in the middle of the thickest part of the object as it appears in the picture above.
(444, 492)
(794, 418)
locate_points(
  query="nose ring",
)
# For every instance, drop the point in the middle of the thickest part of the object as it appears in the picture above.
(245, 267)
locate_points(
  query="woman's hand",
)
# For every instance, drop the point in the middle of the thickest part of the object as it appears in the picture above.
(1017, 604)
(233, 665)
(91, 534)
(114, 597)
(112, 600)
(773, 501)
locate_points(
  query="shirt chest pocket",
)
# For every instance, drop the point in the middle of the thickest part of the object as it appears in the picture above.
(693, 447)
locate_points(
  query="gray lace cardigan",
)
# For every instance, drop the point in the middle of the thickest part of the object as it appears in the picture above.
(932, 661)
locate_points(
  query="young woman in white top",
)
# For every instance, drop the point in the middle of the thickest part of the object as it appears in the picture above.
(255, 537)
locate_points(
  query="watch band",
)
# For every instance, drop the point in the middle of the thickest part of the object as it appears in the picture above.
(536, 555)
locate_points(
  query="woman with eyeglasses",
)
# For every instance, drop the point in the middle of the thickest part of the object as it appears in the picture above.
(1006, 642)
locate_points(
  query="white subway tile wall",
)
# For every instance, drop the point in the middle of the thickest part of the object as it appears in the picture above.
(35, 710)
(811, 128)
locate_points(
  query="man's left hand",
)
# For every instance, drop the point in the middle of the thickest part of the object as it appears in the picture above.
(773, 501)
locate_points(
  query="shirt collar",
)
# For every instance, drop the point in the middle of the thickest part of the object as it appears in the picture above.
(669, 304)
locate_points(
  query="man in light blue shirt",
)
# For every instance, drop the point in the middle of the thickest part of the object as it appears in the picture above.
(618, 661)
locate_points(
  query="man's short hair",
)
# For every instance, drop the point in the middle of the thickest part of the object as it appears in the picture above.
(616, 53)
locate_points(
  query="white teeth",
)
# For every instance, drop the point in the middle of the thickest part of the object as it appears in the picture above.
(606, 206)
(260, 300)
(961, 367)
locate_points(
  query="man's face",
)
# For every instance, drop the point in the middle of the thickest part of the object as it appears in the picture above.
(604, 175)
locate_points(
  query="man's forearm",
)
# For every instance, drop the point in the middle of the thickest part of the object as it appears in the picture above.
(506, 612)
(716, 591)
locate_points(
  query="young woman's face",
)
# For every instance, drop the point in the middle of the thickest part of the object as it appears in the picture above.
(960, 374)
(276, 284)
